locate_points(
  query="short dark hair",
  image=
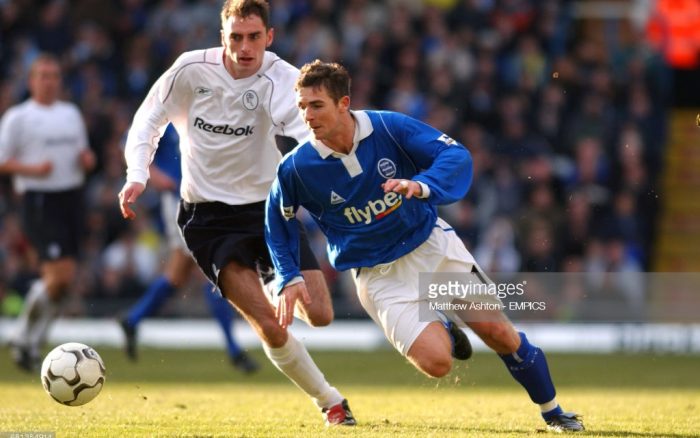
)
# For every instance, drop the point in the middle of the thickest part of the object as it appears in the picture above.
(44, 57)
(330, 75)
(245, 8)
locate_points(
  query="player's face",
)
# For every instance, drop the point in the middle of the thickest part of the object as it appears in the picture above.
(321, 114)
(45, 81)
(244, 41)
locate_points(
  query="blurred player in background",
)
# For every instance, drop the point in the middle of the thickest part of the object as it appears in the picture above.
(44, 145)
(228, 104)
(372, 181)
(165, 176)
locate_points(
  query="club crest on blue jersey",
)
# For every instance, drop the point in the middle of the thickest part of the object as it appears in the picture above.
(386, 168)
(250, 100)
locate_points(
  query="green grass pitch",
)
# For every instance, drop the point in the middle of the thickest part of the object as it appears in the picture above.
(198, 394)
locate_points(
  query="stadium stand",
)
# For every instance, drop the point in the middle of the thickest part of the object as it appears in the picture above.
(565, 117)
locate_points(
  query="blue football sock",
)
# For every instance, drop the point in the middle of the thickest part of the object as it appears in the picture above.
(222, 311)
(529, 367)
(151, 300)
(554, 412)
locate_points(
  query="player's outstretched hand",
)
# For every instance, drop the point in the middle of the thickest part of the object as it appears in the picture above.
(405, 187)
(287, 301)
(129, 194)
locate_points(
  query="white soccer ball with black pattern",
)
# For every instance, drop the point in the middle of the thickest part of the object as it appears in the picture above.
(73, 374)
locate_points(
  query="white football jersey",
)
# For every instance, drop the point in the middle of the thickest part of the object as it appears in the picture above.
(227, 126)
(33, 133)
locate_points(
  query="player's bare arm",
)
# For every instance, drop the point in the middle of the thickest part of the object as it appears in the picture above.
(16, 167)
(87, 160)
(161, 180)
(127, 196)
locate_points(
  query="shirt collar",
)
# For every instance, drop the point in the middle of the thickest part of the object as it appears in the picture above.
(363, 128)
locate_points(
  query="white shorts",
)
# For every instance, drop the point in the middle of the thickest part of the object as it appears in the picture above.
(390, 292)
(169, 205)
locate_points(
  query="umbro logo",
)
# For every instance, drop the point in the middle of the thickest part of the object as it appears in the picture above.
(336, 198)
(203, 91)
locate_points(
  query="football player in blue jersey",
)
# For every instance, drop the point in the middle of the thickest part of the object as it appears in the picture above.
(372, 181)
(165, 176)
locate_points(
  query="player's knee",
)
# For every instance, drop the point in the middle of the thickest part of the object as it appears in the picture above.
(321, 318)
(437, 366)
(273, 335)
(56, 287)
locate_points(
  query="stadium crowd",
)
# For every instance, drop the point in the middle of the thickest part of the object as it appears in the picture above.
(565, 120)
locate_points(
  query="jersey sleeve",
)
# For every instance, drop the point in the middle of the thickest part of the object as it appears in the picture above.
(282, 229)
(444, 164)
(151, 120)
(8, 136)
(283, 107)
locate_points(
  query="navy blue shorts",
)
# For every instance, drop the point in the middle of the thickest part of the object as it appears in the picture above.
(54, 222)
(217, 234)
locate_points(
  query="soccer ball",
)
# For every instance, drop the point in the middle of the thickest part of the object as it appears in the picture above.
(73, 374)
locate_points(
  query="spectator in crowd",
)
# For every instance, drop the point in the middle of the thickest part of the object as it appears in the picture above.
(462, 66)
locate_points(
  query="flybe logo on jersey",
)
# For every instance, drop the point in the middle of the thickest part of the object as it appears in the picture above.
(374, 210)
(223, 129)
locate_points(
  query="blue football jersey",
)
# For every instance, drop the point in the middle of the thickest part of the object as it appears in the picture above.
(167, 157)
(343, 193)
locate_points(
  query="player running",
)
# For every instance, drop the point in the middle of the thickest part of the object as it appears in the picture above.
(44, 145)
(372, 181)
(228, 103)
(165, 176)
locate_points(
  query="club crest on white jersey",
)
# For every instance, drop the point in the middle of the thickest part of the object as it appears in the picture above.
(250, 100)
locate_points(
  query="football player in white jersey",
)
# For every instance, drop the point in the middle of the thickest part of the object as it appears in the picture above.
(44, 145)
(227, 104)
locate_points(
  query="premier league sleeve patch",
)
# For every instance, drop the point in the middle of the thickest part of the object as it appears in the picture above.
(446, 139)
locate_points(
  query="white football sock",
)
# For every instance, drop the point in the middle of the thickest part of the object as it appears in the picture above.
(549, 406)
(40, 328)
(33, 305)
(294, 361)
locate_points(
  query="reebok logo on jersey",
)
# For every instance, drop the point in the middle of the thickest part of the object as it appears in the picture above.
(336, 198)
(374, 210)
(223, 129)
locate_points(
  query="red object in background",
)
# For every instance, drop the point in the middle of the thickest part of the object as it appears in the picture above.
(674, 29)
